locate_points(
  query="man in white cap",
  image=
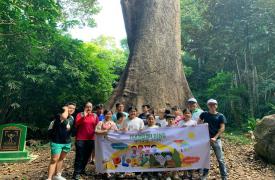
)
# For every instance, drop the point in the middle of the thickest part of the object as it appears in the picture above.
(216, 124)
(192, 105)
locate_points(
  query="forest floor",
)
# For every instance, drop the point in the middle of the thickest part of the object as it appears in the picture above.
(240, 158)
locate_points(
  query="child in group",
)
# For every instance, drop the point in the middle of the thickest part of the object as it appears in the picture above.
(187, 121)
(161, 121)
(177, 114)
(107, 124)
(145, 111)
(133, 123)
(151, 120)
(100, 111)
(171, 123)
(170, 120)
(120, 120)
(119, 108)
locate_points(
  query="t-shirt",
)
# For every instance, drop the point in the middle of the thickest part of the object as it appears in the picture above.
(101, 117)
(106, 125)
(196, 114)
(171, 126)
(134, 124)
(114, 116)
(187, 123)
(119, 126)
(60, 132)
(162, 122)
(178, 119)
(214, 122)
(85, 126)
(151, 127)
(143, 116)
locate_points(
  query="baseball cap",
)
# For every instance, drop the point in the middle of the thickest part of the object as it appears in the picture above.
(192, 100)
(212, 101)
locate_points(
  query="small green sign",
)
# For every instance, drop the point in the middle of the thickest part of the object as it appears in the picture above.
(12, 143)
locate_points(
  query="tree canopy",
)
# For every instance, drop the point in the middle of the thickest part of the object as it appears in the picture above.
(228, 47)
(42, 67)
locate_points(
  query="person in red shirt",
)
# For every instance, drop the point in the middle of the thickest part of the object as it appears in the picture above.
(85, 125)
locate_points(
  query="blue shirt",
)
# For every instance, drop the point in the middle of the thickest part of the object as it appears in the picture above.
(214, 122)
(101, 117)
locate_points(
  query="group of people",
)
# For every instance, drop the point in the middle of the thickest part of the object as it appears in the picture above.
(87, 124)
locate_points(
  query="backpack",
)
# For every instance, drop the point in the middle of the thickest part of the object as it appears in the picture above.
(51, 130)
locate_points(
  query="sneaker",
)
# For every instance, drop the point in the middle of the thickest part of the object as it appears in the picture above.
(58, 177)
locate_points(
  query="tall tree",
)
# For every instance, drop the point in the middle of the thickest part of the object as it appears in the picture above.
(154, 72)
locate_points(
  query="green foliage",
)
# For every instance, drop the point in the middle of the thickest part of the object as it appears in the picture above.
(227, 44)
(187, 70)
(237, 138)
(272, 106)
(124, 46)
(42, 68)
(251, 123)
(78, 12)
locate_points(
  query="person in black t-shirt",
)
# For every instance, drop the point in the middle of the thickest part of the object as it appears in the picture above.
(60, 131)
(145, 113)
(216, 124)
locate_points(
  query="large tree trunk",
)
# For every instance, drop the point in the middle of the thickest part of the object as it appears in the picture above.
(154, 72)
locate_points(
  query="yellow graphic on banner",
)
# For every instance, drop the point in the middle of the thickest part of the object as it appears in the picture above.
(150, 155)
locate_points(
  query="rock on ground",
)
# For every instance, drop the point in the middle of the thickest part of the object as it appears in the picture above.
(265, 138)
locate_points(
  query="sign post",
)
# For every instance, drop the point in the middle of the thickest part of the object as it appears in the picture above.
(12, 143)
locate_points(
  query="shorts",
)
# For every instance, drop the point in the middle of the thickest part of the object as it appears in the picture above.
(58, 148)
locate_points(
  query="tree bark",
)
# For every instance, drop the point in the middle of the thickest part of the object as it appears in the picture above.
(154, 73)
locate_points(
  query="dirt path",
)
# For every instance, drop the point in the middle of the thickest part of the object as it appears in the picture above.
(241, 162)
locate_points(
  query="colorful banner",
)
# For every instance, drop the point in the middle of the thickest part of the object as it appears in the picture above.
(160, 149)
